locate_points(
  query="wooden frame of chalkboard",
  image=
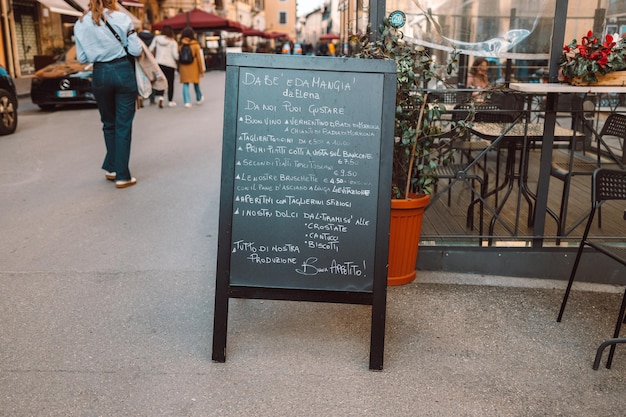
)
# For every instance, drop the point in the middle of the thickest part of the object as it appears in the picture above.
(305, 185)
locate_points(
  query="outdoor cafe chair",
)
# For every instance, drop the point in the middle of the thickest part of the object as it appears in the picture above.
(468, 175)
(575, 165)
(465, 173)
(606, 185)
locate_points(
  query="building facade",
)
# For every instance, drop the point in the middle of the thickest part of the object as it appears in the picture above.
(280, 16)
(35, 31)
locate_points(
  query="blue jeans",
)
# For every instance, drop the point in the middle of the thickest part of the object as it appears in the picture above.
(186, 97)
(115, 89)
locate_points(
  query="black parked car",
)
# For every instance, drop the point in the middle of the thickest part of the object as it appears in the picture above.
(65, 81)
(8, 103)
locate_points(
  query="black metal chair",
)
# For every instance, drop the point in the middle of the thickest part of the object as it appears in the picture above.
(576, 165)
(468, 175)
(501, 108)
(606, 185)
(458, 171)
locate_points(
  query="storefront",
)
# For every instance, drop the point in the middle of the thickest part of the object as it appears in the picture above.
(34, 32)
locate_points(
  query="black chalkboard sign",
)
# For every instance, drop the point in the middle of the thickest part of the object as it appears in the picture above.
(304, 210)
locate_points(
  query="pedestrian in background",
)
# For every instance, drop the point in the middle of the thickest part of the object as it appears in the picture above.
(146, 36)
(478, 79)
(165, 50)
(322, 49)
(191, 73)
(105, 36)
(331, 49)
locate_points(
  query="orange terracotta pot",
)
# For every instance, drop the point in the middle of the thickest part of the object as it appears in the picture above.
(404, 237)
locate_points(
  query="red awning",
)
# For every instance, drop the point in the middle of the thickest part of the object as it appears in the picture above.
(252, 32)
(276, 35)
(329, 37)
(199, 20)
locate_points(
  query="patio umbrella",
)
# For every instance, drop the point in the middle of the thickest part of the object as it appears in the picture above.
(329, 37)
(252, 32)
(276, 35)
(199, 20)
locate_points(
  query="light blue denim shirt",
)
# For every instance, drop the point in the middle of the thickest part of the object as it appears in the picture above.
(97, 44)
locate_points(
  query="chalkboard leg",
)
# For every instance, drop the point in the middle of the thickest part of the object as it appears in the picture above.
(379, 309)
(220, 321)
(377, 344)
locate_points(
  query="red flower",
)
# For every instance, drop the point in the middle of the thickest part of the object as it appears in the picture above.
(592, 57)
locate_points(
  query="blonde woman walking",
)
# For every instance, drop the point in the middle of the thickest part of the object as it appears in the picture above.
(105, 37)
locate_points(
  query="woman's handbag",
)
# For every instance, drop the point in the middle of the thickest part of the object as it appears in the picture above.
(144, 85)
(151, 69)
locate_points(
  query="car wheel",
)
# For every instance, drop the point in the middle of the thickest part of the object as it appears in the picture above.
(8, 113)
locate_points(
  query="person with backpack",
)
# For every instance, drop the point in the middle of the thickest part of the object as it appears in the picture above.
(165, 50)
(322, 49)
(191, 65)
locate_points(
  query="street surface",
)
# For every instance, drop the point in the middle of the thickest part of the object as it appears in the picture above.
(50, 173)
(106, 302)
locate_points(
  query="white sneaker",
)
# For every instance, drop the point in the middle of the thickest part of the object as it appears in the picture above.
(200, 101)
(172, 104)
(126, 183)
(188, 105)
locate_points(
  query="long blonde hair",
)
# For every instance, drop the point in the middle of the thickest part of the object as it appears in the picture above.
(96, 7)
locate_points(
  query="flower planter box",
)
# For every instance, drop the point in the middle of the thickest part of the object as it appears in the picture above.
(617, 78)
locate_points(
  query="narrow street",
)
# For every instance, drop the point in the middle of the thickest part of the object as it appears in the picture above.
(106, 302)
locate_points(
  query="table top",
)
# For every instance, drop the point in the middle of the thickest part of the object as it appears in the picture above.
(535, 131)
(544, 88)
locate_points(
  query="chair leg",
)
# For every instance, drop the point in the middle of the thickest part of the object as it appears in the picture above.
(610, 342)
(618, 327)
(469, 218)
(571, 281)
(470, 209)
(563, 211)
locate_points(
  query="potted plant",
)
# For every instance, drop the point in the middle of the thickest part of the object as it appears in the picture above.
(417, 153)
(594, 62)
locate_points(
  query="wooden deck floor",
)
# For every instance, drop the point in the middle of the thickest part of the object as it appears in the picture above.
(445, 224)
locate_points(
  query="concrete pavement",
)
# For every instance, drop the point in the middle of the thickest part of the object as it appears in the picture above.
(107, 303)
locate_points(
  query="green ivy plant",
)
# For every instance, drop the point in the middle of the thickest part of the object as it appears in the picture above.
(418, 150)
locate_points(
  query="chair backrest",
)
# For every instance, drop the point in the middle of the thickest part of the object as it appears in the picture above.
(450, 96)
(509, 100)
(502, 107)
(608, 184)
(492, 113)
(615, 125)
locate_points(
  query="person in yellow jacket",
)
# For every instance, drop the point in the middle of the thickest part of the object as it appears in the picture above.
(191, 73)
(331, 49)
